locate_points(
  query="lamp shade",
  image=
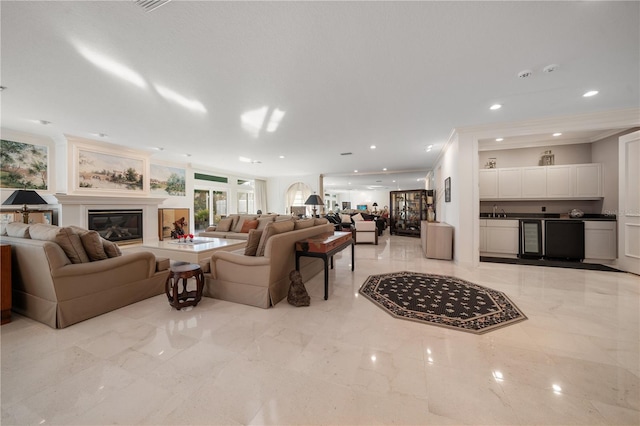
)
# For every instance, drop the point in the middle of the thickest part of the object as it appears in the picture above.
(375, 204)
(24, 197)
(314, 200)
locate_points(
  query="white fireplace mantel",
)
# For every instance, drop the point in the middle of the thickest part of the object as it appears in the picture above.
(65, 199)
(74, 210)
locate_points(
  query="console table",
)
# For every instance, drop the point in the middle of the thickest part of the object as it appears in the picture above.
(324, 246)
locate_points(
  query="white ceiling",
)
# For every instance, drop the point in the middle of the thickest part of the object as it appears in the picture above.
(399, 75)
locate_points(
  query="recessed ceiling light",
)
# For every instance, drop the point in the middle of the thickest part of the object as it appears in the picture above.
(372, 147)
(525, 74)
(495, 107)
(557, 134)
(282, 156)
(590, 93)
(499, 139)
(550, 68)
(384, 169)
(394, 181)
(355, 171)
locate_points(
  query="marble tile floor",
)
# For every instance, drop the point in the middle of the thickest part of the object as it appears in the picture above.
(342, 361)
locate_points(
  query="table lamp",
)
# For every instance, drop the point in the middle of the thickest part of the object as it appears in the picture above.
(314, 200)
(375, 207)
(24, 197)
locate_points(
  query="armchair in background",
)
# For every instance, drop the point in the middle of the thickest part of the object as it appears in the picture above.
(366, 232)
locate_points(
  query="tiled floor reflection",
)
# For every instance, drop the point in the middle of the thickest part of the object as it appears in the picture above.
(341, 361)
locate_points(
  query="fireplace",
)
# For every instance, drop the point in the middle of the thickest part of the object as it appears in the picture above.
(119, 226)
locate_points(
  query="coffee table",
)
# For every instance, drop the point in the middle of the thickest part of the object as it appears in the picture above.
(192, 252)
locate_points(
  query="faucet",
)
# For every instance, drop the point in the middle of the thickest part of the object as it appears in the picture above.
(504, 214)
(495, 207)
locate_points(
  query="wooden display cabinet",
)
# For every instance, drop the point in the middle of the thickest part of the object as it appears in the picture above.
(408, 209)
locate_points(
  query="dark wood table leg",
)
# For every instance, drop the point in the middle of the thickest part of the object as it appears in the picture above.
(326, 278)
(353, 259)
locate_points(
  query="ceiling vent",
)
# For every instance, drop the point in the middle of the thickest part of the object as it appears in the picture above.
(525, 74)
(151, 5)
(550, 68)
(346, 153)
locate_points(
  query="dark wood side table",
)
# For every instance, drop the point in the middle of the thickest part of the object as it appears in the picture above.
(5, 282)
(185, 298)
(324, 246)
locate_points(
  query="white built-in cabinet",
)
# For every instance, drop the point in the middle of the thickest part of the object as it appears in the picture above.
(577, 181)
(499, 236)
(600, 240)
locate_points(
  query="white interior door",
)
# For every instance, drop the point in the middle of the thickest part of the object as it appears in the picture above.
(629, 204)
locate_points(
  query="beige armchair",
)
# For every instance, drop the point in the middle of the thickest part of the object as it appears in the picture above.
(366, 232)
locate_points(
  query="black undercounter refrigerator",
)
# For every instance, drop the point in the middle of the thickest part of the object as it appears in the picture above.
(564, 239)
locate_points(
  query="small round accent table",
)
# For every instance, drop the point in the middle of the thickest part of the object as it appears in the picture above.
(185, 298)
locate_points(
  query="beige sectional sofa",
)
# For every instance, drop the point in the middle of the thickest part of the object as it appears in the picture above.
(55, 281)
(232, 226)
(263, 281)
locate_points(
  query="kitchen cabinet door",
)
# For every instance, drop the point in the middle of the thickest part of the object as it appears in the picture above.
(483, 235)
(488, 184)
(588, 180)
(502, 236)
(510, 182)
(600, 241)
(534, 182)
(559, 182)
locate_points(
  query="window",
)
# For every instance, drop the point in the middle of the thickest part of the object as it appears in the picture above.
(245, 202)
(208, 207)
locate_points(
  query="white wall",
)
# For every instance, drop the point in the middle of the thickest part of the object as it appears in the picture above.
(277, 189)
(525, 157)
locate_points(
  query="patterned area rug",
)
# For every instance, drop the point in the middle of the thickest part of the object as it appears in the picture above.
(441, 300)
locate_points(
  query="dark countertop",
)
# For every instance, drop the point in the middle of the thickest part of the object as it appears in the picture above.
(548, 216)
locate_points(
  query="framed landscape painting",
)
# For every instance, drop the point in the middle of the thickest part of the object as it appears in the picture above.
(167, 180)
(108, 172)
(23, 165)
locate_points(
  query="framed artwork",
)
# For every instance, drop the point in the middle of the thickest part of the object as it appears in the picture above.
(23, 165)
(346, 205)
(447, 190)
(167, 180)
(109, 172)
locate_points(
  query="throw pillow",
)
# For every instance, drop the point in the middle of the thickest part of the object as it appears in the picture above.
(357, 217)
(92, 244)
(320, 221)
(263, 221)
(111, 248)
(303, 224)
(248, 225)
(18, 229)
(224, 225)
(70, 243)
(345, 218)
(252, 242)
(271, 230)
(43, 232)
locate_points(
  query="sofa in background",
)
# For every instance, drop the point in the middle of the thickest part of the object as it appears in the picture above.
(263, 280)
(237, 226)
(61, 276)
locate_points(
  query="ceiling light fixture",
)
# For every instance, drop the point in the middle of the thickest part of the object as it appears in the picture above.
(282, 156)
(557, 134)
(499, 139)
(590, 93)
(355, 171)
(495, 107)
(384, 169)
(525, 74)
(372, 147)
